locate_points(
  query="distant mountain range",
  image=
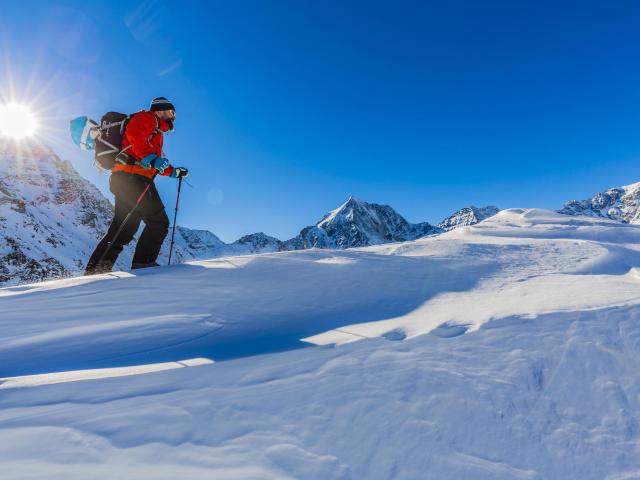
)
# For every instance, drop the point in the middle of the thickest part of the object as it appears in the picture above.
(51, 219)
(621, 204)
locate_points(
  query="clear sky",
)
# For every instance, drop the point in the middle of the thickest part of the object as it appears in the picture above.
(285, 108)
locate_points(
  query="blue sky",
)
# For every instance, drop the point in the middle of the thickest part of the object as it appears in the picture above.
(285, 108)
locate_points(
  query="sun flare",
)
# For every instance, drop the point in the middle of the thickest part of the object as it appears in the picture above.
(17, 121)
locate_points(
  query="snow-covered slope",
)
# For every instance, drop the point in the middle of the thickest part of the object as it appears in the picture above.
(50, 217)
(621, 204)
(467, 216)
(504, 350)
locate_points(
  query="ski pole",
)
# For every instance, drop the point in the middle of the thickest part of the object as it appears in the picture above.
(126, 219)
(175, 216)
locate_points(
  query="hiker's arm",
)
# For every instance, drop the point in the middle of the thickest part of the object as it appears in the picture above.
(139, 130)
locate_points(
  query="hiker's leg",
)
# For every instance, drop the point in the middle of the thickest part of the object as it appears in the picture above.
(156, 228)
(105, 249)
(126, 188)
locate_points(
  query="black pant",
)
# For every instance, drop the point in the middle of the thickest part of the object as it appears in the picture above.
(127, 187)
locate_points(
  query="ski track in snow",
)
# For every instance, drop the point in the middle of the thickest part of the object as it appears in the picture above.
(505, 350)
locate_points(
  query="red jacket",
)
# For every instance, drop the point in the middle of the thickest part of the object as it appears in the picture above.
(140, 140)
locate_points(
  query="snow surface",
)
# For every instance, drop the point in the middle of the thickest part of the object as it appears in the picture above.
(505, 350)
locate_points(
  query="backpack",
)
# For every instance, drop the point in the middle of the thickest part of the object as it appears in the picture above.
(105, 138)
(109, 140)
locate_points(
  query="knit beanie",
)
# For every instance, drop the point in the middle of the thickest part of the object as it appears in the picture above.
(161, 103)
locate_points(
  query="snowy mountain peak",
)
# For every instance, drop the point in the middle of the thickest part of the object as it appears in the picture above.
(358, 223)
(621, 204)
(352, 206)
(354, 200)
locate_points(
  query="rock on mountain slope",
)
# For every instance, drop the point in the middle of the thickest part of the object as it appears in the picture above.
(621, 204)
(358, 224)
(467, 216)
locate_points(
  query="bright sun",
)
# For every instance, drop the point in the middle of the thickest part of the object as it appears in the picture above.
(17, 121)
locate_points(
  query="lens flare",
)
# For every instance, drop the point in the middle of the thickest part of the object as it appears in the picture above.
(17, 121)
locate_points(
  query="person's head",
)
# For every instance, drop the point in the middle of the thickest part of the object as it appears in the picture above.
(164, 109)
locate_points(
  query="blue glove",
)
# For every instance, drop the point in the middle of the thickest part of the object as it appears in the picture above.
(152, 160)
(160, 164)
(147, 161)
(179, 172)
